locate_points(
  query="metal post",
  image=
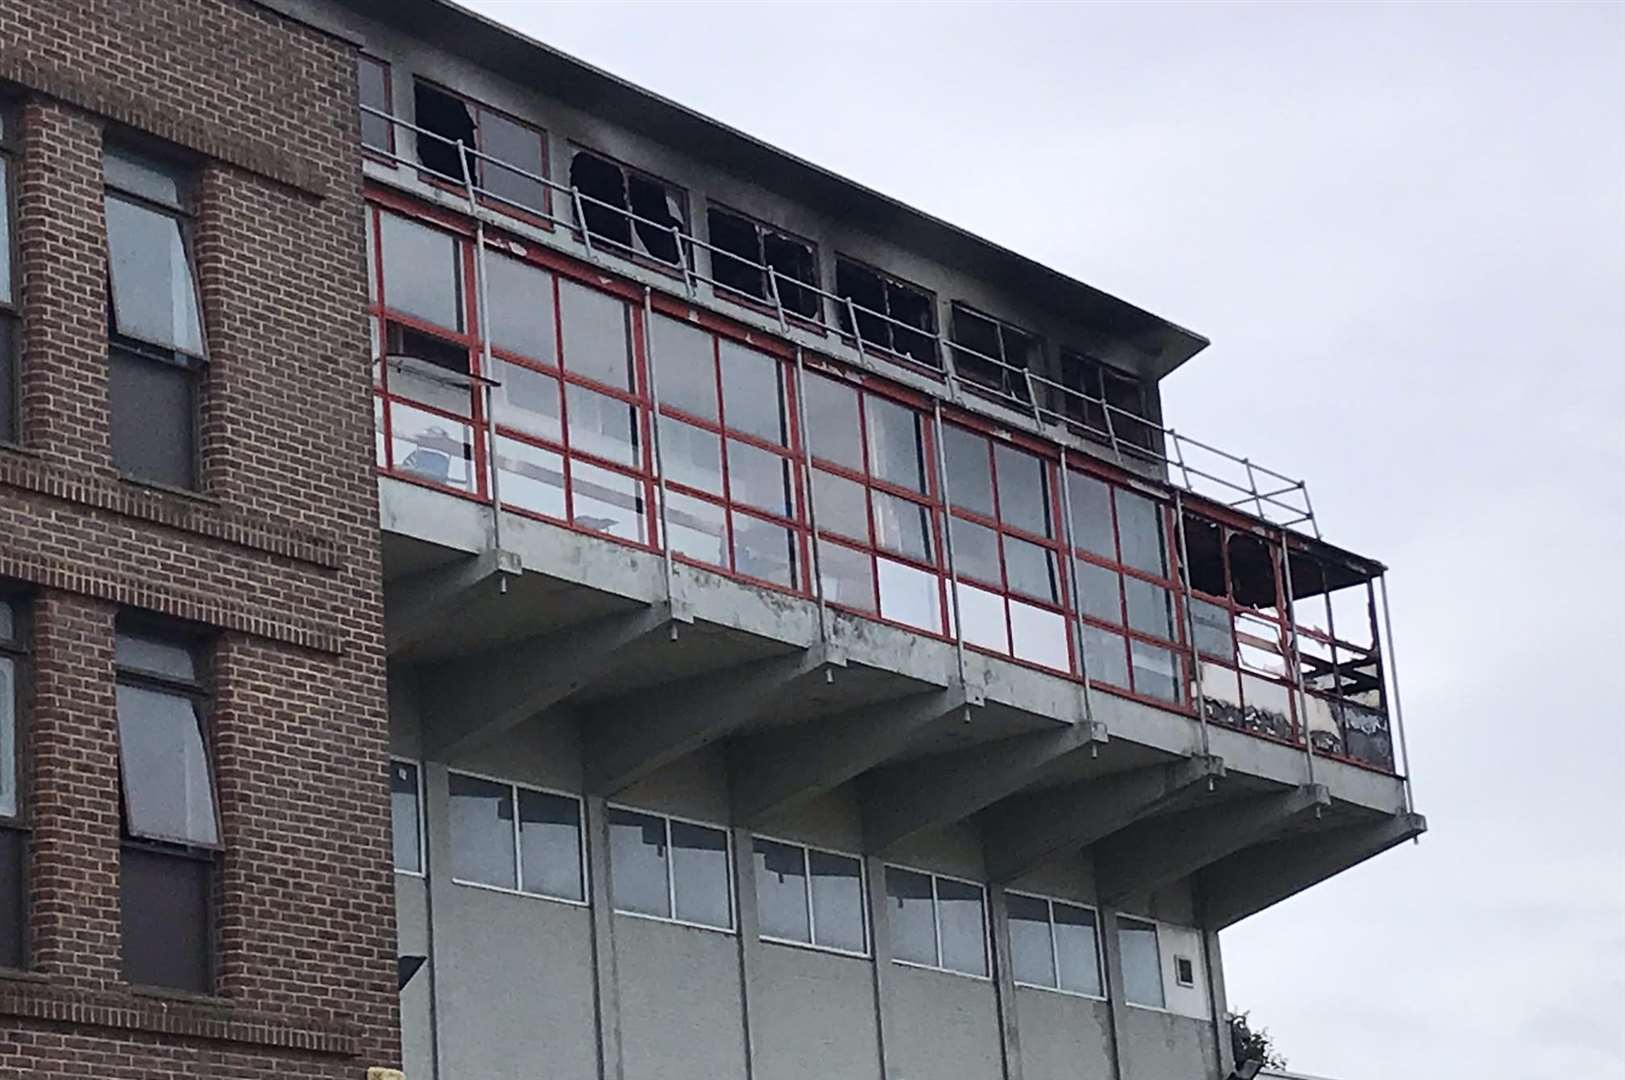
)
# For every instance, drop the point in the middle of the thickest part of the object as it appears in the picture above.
(654, 428)
(482, 298)
(1252, 486)
(1190, 617)
(1309, 508)
(1072, 580)
(1111, 432)
(1393, 678)
(778, 304)
(581, 218)
(1295, 665)
(948, 543)
(682, 259)
(1179, 458)
(857, 334)
(812, 501)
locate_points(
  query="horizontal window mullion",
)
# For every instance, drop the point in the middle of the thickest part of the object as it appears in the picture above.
(626, 397)
(587, 458)
(433, 410)
(742, 510)
(529, 438)
(433, 329)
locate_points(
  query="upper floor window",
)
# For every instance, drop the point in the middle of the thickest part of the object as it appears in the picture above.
(1054, 945)
(746, 246)
(518, 838)
(156, 332)
(171, 822)
(12, 840)
(810, 897)
(630, 209)
(509, 154)
(993, 353)
(9, 337)
(670, 869)
(1104, 385)
(1141, 959)
(892, 314)
(937, 921)
(375, 93)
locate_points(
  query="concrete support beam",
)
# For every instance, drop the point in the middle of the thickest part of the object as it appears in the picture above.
(606, 992)
(480, 698)
(1031, 830)
(626, 739)
(771, 773)
(750, 941)
(1004, 983)
(906, 799)
(1158, 853)
(874, 877)
(1248, 882)
(415, 607)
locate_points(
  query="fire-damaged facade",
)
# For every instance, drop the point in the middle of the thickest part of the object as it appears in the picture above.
(808, 651)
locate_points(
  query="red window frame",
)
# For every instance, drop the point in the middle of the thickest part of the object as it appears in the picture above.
(386, 152)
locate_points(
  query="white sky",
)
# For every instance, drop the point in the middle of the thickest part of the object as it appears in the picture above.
(1404, 229)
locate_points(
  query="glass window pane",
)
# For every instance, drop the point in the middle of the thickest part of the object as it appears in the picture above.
(602, 426)
(607, 502)
(596, 341)
(520, 308)
(164, 902)
(1039, 636)
(1099, 586)
(1030, 570)
(153, 419)
(1214, 632)
(781, 891)
(513, 144)
(910, 916)
(840, 507)
(685, 367)
(847, 576)
(896, 449)
(1091, 515)
(964, 927)
(374, 93)
(1142, 963)
(168, 793)
(141, 176)
(752, 392)
(765, 551)
(1150, 608)
(531, 478)
(698, 529)
(550, 845)
(1268, 706)
(1032, 959)
(759, 479)
(482, 831)
(1105, 656)
(405, 816)
(423, 271)
(700, 874)
(983, 615)
(1139, 526)
(1023, 490)
(833, 432)
(910, 596)
(903, 527)
(5, 230)
(837, 897)
(1156, 672)
(154, 656)
(527, 400)
(1078, 948)
(691, 456)
(637, 862)
(976, 552)
(970, 470)
(434, 447)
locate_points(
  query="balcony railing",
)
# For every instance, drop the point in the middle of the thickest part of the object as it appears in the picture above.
(541, 385)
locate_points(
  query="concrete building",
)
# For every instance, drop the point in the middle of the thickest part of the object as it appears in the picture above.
(807, 652)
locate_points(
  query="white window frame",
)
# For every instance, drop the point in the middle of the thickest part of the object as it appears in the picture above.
(1156, 926)
(1055, 949)
(936, 926)
(423, 819)
(732, 929)
(518, 858)
(812, 919)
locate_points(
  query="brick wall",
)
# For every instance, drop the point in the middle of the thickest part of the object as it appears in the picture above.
(277, 554)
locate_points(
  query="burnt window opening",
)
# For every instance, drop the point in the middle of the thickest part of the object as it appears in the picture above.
(1100, 382)
(448, 121)
(994, 354)
(1204, 556)
(746, 245)
(372, 82)
(1252, 572)
(909, 325)
(628, 208)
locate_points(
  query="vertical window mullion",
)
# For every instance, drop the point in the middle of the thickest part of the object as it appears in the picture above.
(936, 918)
(807, 890)
(671, 869)
(518, 853)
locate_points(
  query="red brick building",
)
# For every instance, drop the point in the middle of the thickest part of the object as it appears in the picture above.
(188, 553)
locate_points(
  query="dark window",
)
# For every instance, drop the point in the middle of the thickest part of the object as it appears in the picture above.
(13, 842)
(445, 121)
(156, 333)
(507, 155)
(628, 208)
(892, 314)
(171, 824)
(9, 298)
(1103, 385)
(748, 246)
(372, 77)
(992, 353)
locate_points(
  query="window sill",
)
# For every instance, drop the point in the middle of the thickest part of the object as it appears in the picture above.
(917, 966)
(183, 997)
(23, 975)
(153, 487)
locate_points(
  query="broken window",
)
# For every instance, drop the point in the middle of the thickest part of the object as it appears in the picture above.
(1103, 385)
(629, 209)
(508, 155)
(747, 247)
(372, 79)
(1339, 661)
(10, 340)
(445, 121)
(992, 353)
(892, 314)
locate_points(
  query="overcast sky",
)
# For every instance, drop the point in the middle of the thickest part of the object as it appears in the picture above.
(1404, 230)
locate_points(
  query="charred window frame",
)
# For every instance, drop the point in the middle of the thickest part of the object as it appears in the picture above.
(157, 357)
(1104, 385)
(892, 314)
(631, 210)
(170, 812)
(10, 285)
(13, 832)
(510, 154)
(992, 353)
(742, 247)
(1339, 656)
(374, 90)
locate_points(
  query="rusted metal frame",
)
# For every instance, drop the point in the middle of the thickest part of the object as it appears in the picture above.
(1283, 589)
(1077, 595)
(1393, 678)
(483, 324)
(946, 499)
(1190, 619)
(778, 304)
(660, 465)
(812, 504)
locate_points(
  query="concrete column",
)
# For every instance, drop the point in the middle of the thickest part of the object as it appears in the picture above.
(605, 974)
(437, 886)
(1115, 1003)
(750, 940)
(1004, 983)
(1216, 997)
(874, 870)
